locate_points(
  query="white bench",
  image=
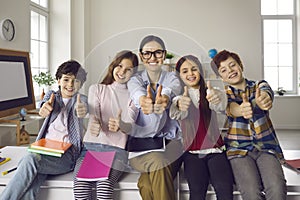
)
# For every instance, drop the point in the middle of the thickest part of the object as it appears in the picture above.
(61, 187)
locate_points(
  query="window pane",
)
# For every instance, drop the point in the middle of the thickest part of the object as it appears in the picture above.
(270, 55)
(271, 75)
(34, 48)
(277, 7)
(35, 1)
(285, 31)
(285, 7)
(286, 78)
(43, 55)
(270, 29)
(43, 29)
(268, 7)
(285, 56)
(44, 3)
(34, 25)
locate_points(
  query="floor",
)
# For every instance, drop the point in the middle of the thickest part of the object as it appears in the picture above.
(289, 139)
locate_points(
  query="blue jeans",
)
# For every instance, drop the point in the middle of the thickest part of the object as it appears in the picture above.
(258, 176)
(32, 171)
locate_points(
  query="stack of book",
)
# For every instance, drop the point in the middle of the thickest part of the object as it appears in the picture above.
(49, 147)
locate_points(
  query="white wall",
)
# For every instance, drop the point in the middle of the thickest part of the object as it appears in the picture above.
(17, 11)
(81, 27)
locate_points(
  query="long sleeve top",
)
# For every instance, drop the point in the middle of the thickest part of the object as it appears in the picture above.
(197, 139)
(105, 101)
(75, 128)
(246, 134)
(155, 125)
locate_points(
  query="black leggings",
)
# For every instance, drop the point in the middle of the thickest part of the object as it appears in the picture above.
(212, 168)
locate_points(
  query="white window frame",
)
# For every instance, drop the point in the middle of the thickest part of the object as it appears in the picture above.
(293, 18)
(45, 12)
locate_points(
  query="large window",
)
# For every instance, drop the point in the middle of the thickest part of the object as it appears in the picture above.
(39, 40)
(279, 44)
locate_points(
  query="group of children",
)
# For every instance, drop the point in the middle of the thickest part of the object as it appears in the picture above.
(156, 121)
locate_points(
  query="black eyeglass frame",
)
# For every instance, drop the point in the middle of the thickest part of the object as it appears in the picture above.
(153, 53)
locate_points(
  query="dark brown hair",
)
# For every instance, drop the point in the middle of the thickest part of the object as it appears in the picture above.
(151, 38)
(126, 54)
(203, 103)
(71, 67)
(222, 56)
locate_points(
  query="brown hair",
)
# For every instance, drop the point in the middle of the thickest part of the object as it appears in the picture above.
(222, 56)
(126, 54)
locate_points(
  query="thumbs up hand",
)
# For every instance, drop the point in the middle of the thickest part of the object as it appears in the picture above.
(161, 101)
(94, 125)
(213, 96)
(81, 108)
(185, 101)
(117, 124)
(114, 123)
(246, 108)
(263, 99)
(47, 107)
(146, 102)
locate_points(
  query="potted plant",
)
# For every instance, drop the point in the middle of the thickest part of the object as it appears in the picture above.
(169, 57)
(280, 91)
(43, 78)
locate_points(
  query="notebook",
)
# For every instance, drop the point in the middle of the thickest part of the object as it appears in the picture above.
(44, 152)
(96, 166)
(51, 145)
(293, 165)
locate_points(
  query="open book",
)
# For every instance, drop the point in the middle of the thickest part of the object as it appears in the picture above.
(96, 166)
(49, 147)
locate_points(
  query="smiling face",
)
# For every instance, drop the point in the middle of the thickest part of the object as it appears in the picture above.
(231, 72)
(156, 60)
(190, 74)
(69, 85)
(123, 71)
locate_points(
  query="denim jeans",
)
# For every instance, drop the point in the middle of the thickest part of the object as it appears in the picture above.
(32, 171)
(258, 176)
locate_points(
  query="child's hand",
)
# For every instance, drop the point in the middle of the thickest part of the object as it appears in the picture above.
(47, 107)
(80, 108)
(94, 126)
(185, 101)
(213, 96)
(263, 99)
(161, 101)
(114, 123)
(146, 102)
(246, 108)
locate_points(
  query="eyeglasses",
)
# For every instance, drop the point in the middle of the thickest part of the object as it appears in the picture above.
(157, 54)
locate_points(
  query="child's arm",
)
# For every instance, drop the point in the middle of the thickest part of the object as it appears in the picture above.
(243, 110)
(217, 99)
(116, 124)
(263, 99)
(80, 107)
(47, 107)
(180, 106)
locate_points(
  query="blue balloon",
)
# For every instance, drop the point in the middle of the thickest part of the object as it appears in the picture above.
(212, 53)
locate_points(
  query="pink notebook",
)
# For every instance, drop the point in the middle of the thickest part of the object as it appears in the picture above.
(96, 166)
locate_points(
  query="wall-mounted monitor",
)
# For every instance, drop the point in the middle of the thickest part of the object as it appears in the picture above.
(16, 89)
